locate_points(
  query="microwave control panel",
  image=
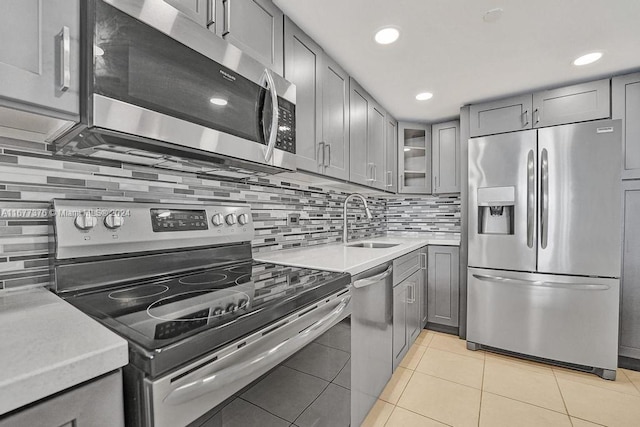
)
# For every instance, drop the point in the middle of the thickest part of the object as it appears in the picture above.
(286, 139)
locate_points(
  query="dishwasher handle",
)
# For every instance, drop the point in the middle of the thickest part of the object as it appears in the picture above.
(367, 281)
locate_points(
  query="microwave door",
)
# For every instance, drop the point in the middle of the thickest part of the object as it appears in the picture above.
(502, 201)
(580, 199)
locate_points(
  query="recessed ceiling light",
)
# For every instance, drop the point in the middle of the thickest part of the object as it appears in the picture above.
(424, 96)
(218, 101)
(492, 15)
(588, 58)
(387, 35)
(98, 51)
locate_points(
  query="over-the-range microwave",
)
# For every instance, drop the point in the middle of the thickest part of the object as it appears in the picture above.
(155, 81)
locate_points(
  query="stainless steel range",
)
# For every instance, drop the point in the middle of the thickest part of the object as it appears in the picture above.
(202, 318)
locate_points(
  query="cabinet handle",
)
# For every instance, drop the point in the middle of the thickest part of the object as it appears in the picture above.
(436, 182)
(321, 149)
(412, 298)
(390, 178)
(211, 12)
(536, 116)
(423, 261)
(328, 163)
(525, 118)
(375, 172)
(65, 50)
(370, 169)
(226, 28)
(401, 181)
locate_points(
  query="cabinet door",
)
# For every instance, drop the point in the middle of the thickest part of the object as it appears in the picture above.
(376, 146)
(335, 118)
(254, 26)
(414, 158)
(95, 404)
(577, 103)
(413, 283)
(359, 167)
(443, 285)
(630, 293)
(39, 55)
(626, 107)
(400, 331)
(302, 68)
(500, 116)
(197, 10)
(446, 157)
(391, 175)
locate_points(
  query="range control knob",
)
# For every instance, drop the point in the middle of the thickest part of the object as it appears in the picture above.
(113, 221)
(231, 219)
(231, 308)
(217, 220)
(218, 311)
(243, 219)
(85, 221)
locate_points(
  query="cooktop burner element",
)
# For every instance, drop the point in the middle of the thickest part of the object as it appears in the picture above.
(210, 278)
(138, 292)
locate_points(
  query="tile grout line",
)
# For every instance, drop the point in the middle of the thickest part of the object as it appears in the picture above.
(484, 366)
(566, 408)
(266, 410)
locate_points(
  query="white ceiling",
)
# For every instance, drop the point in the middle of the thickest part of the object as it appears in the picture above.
(446, 48)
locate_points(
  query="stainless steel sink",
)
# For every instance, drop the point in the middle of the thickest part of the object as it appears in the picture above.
(372, 245)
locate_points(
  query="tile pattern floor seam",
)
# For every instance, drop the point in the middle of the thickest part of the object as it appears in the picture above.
(264, 409)
(310, 404)
(571, 417)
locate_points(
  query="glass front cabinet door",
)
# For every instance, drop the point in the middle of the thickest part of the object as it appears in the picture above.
(414, 158)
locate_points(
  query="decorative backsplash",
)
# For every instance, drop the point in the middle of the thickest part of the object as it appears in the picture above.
(30, 176)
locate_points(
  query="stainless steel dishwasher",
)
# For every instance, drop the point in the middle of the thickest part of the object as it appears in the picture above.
(371, 338)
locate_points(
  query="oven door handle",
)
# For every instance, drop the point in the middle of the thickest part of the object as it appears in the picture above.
(262, 362)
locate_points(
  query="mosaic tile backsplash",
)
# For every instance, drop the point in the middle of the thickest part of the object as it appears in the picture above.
(30, 176)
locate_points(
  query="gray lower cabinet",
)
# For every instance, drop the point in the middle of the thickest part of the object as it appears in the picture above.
(424, 297)
(254, 26)
(626, 107)
(200, 11)
(443, 285)
(445, 145)
(366, 138)
(630, 287)
(570, 104)
(95, 404)
(322, 105)
(39, 56)
(408, 280)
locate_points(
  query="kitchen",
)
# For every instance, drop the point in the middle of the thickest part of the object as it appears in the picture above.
(101, 120)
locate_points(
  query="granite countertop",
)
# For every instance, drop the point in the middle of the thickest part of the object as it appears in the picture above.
(342, 258)
(48, 346)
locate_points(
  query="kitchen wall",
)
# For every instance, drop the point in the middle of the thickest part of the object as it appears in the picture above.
(31, 175)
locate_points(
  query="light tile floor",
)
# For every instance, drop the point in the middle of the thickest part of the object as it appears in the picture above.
(441, 383)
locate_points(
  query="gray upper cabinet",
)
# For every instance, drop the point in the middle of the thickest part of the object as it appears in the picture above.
(255, 27)
(630, 288)
(570, 104)
(200, 11)
(391, 175)
(577, 103)
(504, 115)
(443, 285)
(322, 108)
(446, 157)
(39, 60)
(366, 138)
(626, 107)
(414, 158)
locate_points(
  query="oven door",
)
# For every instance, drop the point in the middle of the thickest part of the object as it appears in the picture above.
(190, 392)
(155, 74)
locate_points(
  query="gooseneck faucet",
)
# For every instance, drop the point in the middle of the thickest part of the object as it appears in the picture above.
(345, 234)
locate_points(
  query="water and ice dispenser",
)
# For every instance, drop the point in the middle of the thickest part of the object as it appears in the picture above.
(496, 209)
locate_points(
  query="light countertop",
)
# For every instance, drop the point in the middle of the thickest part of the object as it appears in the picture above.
(342, 258)
(48, 345)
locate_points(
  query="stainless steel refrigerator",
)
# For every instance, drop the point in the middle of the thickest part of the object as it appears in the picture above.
(545, 243)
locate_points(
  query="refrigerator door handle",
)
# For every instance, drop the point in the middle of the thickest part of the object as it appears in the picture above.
(544, 211)
(539, 283)
(531, 198)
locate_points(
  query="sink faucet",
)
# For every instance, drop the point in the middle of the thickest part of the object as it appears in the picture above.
(345, 234)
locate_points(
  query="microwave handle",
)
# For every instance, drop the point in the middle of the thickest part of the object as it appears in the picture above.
(273, 134)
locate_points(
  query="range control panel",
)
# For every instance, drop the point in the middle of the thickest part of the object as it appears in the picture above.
(93, 228)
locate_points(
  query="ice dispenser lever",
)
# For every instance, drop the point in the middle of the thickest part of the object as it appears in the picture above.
(496, 208)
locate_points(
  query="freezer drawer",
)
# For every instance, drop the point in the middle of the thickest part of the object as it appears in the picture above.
(563, 318)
